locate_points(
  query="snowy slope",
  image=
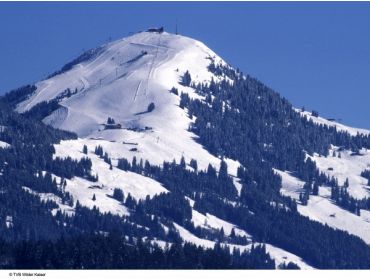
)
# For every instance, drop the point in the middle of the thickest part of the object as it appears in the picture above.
(340, 127)
(322, 209)
(4, 145)
(348, 165)
(291, 186)
(120, 83)
(209, 221)
(123, 80)
(279, 255)
(138, 186)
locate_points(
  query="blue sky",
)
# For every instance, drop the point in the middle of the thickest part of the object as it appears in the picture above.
(316, 55)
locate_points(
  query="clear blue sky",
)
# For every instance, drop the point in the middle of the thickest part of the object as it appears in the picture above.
(314, 54)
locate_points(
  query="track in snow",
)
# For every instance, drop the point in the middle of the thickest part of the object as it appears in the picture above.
(137, 90)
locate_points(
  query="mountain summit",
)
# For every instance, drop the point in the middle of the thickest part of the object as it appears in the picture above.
(121, 79)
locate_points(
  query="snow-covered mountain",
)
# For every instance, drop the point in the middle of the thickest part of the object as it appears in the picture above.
(136, 83)
(120, 80)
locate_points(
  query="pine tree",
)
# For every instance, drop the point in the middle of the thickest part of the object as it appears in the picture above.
(186, 79)
(84, 149)
(134, 163)
(222, 233)
(335, 193)
(130, 202)
(123, 164)
(110, 121)
(99, 151)
(346, 183)
(182, 162)
(106, 158)
(211, 171)
(147, 167)
(174, 91)
(232, 234)
(315, 189)
(118, 194)
(358, 210)
(303, 198)
(194, 164)
(222, 174)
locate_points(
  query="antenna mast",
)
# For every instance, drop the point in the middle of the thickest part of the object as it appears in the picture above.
(176, 32)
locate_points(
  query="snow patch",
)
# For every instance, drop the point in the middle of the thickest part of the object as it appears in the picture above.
(279, 255)
(290, 186)
(210, 221)
(322, 209)
(137, 185)
(347, 166)
(4, 145)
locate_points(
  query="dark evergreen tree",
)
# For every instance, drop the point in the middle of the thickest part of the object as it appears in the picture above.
(194, 164)
(182, 162)
(118, 194)
(84, 150)
(186, 79)
(110, 121)
(315, 189)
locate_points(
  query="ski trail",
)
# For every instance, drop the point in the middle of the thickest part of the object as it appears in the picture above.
(86, 85)
(160, 63)
(85, 82)
(137, 91)
(152, 65)
(149, 45)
